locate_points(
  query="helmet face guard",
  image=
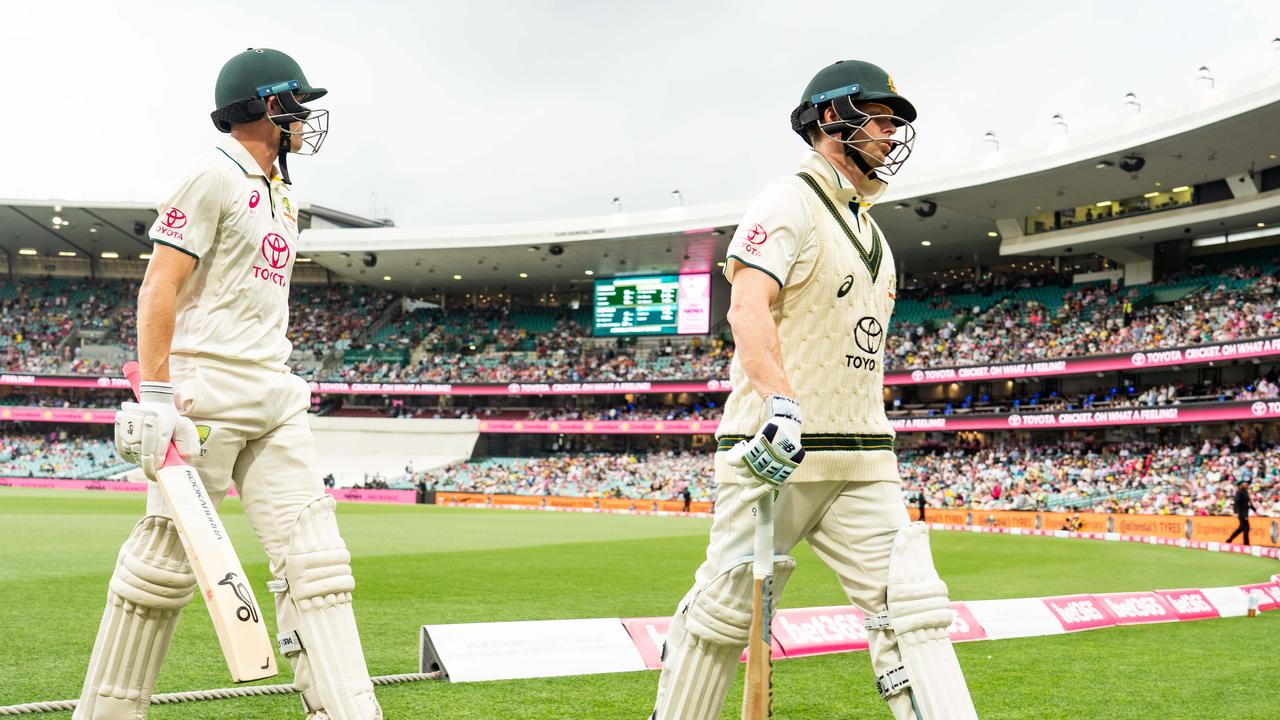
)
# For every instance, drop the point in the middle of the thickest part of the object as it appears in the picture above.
(315, 123)
(850, 130)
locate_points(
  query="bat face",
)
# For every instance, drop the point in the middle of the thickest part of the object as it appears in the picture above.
(236, 616)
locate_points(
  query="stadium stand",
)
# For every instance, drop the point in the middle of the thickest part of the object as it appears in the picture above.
(636, 476)
(59, 453)
(1172, 479)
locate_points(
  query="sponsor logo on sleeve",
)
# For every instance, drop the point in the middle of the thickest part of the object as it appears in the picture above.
(171, 222)
(752, 238)
(175, 218)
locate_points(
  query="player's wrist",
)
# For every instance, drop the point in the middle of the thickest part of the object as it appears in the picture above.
(154, 392)
(783, 408)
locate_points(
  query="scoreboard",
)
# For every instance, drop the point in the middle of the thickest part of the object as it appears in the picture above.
(653, 305)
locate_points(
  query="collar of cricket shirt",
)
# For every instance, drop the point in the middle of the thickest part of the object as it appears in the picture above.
(843, 189)
(239, 155)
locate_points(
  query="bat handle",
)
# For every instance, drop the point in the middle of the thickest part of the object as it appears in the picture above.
(762, 562)
(133, 372)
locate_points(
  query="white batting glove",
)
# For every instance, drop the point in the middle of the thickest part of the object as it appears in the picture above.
(766, 460)
(145, 428)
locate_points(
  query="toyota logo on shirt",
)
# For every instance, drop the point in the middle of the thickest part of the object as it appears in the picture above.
(756, 234)
(275, 250)
(868, 334)
(175, 218)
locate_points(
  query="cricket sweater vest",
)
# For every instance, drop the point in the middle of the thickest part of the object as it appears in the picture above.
(832, 326)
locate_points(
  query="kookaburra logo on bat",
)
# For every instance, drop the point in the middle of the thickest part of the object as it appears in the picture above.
(247, 611)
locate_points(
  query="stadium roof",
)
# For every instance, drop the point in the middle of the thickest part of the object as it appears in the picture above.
(89, 229)
(1225, 133)
(1219, 134)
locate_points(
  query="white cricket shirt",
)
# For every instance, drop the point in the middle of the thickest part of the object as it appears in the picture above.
(813, 234)
(242, 229)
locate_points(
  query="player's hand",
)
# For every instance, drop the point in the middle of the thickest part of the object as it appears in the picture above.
(145, 428)
(766, 460)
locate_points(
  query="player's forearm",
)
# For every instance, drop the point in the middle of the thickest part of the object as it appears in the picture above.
(755, 337)
(157, 309)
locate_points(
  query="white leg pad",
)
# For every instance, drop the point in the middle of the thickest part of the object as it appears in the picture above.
(705, 642)
(151, 584)
(314, 614)
(919, 615)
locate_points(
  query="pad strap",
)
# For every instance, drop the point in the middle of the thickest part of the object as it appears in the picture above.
(878, 621)
(893, 681)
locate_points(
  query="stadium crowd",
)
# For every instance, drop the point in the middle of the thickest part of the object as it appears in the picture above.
(658, 476)
(58, 453)
(1093, 320)
(470, 343)
(327, 317)
(1173, 479)
(38, 317)
(696, 359)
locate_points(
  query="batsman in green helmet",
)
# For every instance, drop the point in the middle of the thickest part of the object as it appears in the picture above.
(261, 83)
(845, 102)
(804, 425)
(213, 312)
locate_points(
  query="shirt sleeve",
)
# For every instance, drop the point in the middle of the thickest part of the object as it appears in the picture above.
(188, 221)
(769, 236)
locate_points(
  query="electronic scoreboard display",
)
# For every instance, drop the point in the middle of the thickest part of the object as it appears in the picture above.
(653, 305)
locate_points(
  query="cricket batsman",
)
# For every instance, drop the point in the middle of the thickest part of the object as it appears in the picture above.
(212, 316)
(813, 289)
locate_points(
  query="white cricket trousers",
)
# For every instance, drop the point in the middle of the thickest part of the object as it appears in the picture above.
(851, 526)
(258, 438)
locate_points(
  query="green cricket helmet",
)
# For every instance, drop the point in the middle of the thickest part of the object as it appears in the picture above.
(245, 83)
(843, 86)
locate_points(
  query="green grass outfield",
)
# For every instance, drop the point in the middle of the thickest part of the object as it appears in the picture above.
(417, 564)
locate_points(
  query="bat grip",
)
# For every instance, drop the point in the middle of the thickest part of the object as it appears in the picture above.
(762, 561)
(133, 372)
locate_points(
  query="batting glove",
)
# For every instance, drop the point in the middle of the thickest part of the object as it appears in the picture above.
(766, 460)
(145, 428)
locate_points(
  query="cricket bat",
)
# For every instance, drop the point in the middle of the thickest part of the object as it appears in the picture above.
(757, 691)
(237, 619)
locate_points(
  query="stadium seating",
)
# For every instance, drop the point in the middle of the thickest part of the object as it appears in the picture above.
(55, 455)
(356, 333)
(1182, 479)
(653, 476)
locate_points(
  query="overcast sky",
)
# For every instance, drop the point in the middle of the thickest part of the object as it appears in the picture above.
(486, 111)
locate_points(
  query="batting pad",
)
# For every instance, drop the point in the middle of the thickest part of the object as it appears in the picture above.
(151, 584)
(705, 642)
(920, 615)
(328, 662)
